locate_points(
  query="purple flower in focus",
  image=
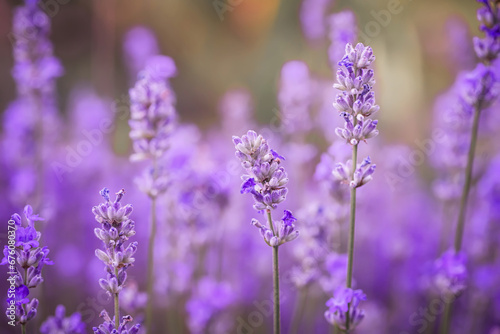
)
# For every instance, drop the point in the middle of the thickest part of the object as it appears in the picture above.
(266, 179)
(108, 327)
(361, 176)
(30, 259)
(345, 300)
(284, 230)
(61, 324)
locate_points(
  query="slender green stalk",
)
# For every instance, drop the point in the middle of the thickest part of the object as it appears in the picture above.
(445, 322)
(117, 305)
(23, 328)
(468, 180)
(300, 305)
(276, 280)
(352, 225)
(459, 233)
(151, 248)
(276, 287)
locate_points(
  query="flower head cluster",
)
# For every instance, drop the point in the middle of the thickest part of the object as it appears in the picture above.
(345, 300)
(266, 179)
(108, 327)
(116, 229)
(35, 68)
(152, 110)
(361, 176)
(31, 258)
(488, 48)
(450, 273)
(282, 231)
(61, 324)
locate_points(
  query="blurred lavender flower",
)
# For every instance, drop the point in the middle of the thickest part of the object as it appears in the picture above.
(295, 97)
(345, 300)
(116, 229)
(285, 230)
(236, 108)
(209, 299)
(343, 29)
(139, 45)
(61, 324)
(152, 111)
(30, 258)
(312, 18)
(266, 179)
(361, 176)
(450, 273)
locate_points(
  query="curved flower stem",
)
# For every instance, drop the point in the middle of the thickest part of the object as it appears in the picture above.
(352, 224)
(300, 305)
(117, 305)
(468, 178)
(151, 247)
(276, 279)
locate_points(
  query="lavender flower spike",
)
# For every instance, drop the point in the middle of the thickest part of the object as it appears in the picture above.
(345, 300)
(266, 179)
(25, 259)
(115, 229)
(61, 324)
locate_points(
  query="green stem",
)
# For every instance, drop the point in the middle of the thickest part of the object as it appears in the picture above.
(468, 178)
(151, 248)
(149, 308)
(352, 224)
(117, 305)
(23, 328)
(276, 279)
(276, 286)
(300, 305)
(445, 322)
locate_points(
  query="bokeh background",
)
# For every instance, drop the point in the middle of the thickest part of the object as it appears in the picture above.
(419, 53)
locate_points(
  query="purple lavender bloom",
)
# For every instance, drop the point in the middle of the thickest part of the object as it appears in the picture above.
(236, 108)
(266, 179)
(36, 67)
(361, 176)
(30, 258)
(344, 300)
(152, 111)
(61, 324)
(108, 327)
(116, 229)
(343, 30)
(296, 88)
(312, 18)
(139, 45)
(285, 230)
(487, 48)
(450, 273)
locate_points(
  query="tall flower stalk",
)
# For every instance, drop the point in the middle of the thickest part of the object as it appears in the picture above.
(25, 258)
(115, 229)
(266, 180)
(479, 91)
(152, 122)
(356, 103)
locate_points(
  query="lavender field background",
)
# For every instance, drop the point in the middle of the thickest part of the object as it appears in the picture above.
(77, 81)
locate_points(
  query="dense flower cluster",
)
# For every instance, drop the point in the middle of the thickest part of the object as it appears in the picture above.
(345, 300)
(488, 48)
(116, 228)
(30, 258)
(108, 326)
(152, 110)
(266, 179)
(61, 324)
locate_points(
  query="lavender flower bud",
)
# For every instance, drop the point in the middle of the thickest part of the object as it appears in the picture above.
(345, 300)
